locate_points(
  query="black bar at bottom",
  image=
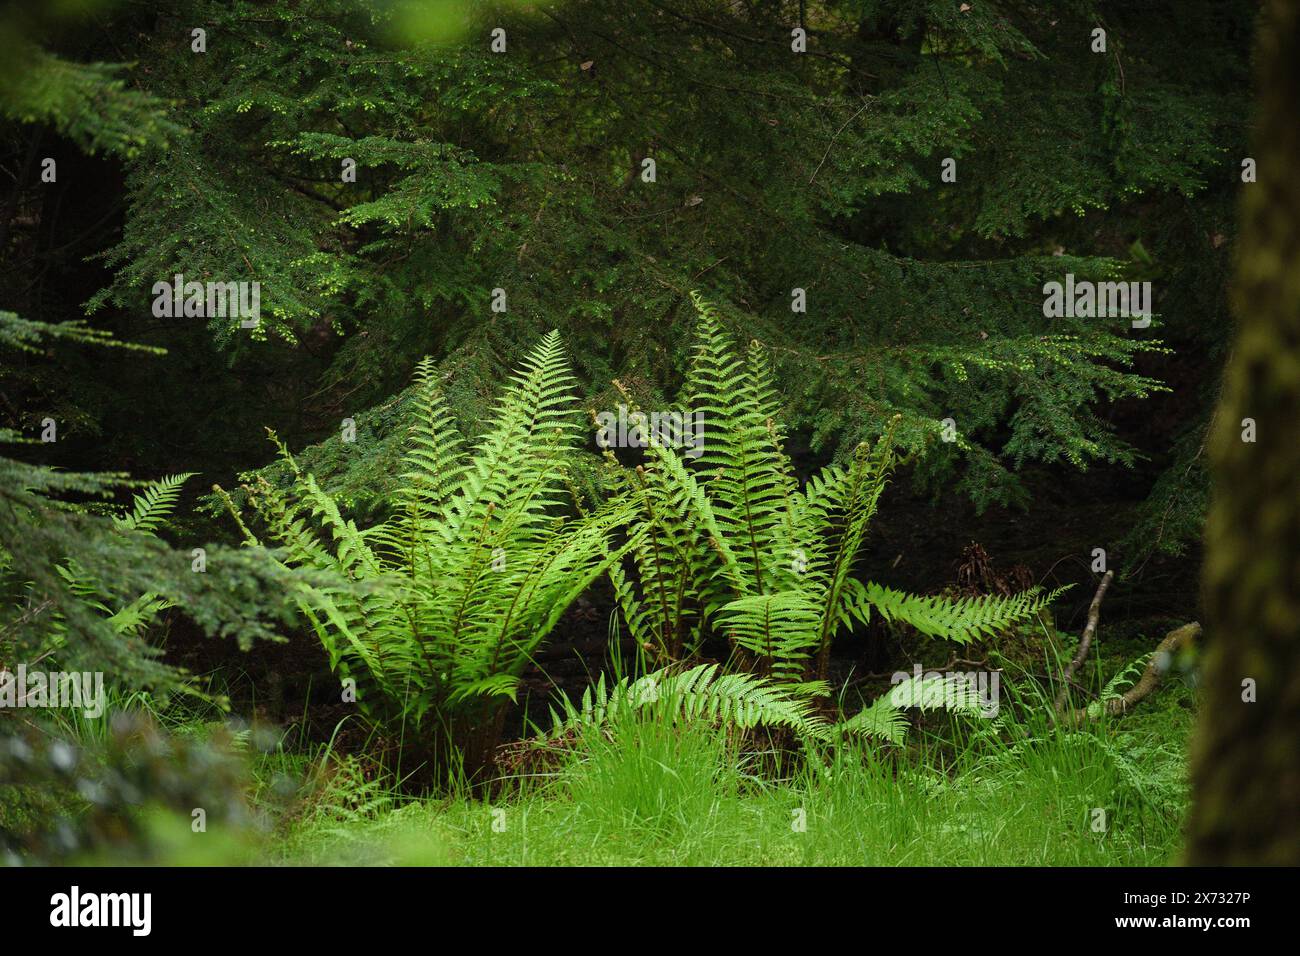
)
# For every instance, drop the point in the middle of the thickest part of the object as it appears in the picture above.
(334, 905)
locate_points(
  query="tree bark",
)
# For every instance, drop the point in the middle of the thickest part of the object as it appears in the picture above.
(1246, 760)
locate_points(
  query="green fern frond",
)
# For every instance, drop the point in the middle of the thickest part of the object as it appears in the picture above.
(885, 718)
(735, 547)
(957, 619)
(1126, 677)
(700, 693)
(440, 608)
(881, 720)
(150, 508)
(435, 457)
(778, 629)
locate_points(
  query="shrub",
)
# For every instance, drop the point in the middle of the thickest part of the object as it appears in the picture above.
(438, 609)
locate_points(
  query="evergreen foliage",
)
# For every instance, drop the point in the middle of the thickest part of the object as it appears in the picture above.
(828, 231)
(81, 581)
(522, 171)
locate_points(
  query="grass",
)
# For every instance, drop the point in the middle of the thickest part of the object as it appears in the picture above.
(644, 791)
(652, 794)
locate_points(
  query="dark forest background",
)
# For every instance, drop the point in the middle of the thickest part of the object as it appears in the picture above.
(522, 171)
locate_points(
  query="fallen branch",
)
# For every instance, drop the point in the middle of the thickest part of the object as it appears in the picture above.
(1085, 642)
(1156, 668)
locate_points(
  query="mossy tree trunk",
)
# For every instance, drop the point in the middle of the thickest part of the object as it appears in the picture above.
(1246, 764)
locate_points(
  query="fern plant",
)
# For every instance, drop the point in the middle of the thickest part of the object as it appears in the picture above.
(735, 547)
(743, 702)
(149, 511)
(701, 692)
(125, 619)
(438, 609)
(885, 717)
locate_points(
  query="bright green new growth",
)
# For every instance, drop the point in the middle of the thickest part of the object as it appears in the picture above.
(701, 694)
(440, 608)
(742, 702)
(151, 508)
(735, 548)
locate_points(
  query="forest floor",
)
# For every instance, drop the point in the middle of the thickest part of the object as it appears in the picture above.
(1018, 790)
(1099, 796)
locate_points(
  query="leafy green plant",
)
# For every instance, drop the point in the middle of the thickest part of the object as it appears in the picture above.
(698, 693)
(886, 716)
(735, 547)
(78, 577)
(703, 694)
(1124, 678)
(438, 609)
(148, 513)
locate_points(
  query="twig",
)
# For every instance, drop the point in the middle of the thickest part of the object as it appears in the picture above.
(1085, 642)
(831, 144)
(28, 615)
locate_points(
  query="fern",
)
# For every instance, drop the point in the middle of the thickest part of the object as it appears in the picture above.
(149, 511)
(734, 547)
(1124, 678)
(956, 619)
(703, 693)
(886, 718)
(881, 719)
(745, 701)
(780, 628)
(152, 507)
(437, 611)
